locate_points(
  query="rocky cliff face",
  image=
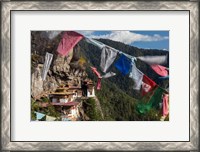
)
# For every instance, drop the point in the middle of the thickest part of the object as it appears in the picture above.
(63, 70)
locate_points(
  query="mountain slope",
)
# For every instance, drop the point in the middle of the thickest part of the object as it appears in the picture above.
(117, 96)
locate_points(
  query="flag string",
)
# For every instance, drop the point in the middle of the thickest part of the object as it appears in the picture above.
(133, 58)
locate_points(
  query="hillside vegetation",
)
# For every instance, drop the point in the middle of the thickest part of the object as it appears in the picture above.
(117, 97)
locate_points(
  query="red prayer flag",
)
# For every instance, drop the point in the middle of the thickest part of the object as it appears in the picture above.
(99, 84)
(147, 85)
(161, 70)
(165, 105)
(94, 70)
(69, 40)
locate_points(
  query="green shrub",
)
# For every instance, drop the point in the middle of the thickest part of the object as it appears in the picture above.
(91, 110)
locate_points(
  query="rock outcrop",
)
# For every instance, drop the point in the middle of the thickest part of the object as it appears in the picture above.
(36, 82)
(63, 70)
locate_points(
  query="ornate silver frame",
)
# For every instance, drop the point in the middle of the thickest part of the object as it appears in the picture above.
(7, 6)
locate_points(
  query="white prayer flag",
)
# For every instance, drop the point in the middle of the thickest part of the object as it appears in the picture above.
(108, 56)
(109, 74)
(47, 63)
(52, 34)
(49, 118)
(96, 43)
(154, 59)
(137, 76)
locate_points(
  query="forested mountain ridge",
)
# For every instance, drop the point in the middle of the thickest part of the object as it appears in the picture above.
(117, 96)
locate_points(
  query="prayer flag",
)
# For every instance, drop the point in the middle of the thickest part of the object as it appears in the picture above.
(99, 84)
(49, 118)
(47, 63)
(94, 70)
(154, 59)
(161, 70)
(147, 85)
(137, 76)
(123, 64)
(69, 40)
(108, 56)
(154, 101)
(157, 97)
(52, 34)
(165, 104)
(109, 74)
(39, 115)
(96, 43)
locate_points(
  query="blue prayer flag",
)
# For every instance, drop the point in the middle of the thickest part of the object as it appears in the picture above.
(123, 64)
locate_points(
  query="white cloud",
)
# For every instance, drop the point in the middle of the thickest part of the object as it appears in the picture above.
(128, 37)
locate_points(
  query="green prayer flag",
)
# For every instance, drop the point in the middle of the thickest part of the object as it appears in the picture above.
(155, 99)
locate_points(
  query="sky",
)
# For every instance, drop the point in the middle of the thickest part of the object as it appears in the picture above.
(140, 39)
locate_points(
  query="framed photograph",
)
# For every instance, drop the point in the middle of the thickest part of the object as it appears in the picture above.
(104, 75)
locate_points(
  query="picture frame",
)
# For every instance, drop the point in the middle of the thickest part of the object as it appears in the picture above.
(7, 7)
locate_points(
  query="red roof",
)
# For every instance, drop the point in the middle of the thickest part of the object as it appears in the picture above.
(73, 103)
(62, 93)
(43, 104)
(74, 87)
